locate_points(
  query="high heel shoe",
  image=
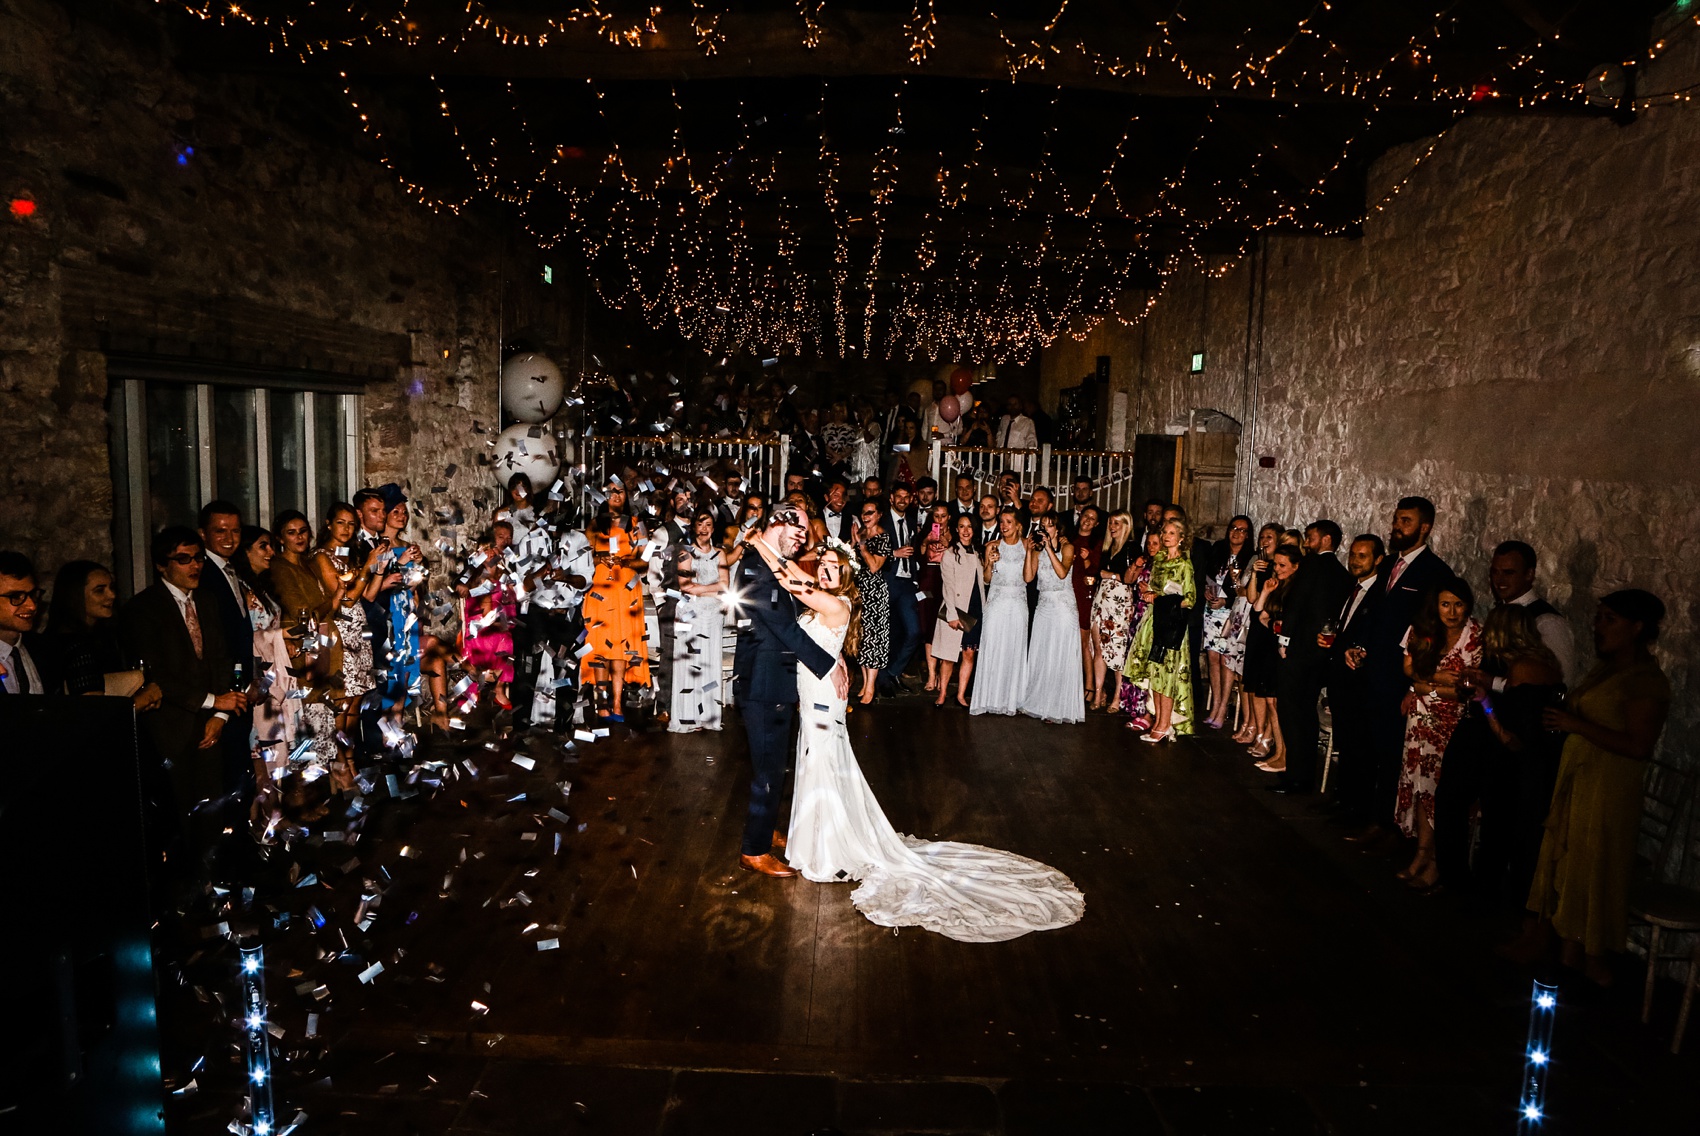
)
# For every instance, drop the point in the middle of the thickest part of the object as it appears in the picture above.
(1271, 767)
(1153, 737)
(1261, 747)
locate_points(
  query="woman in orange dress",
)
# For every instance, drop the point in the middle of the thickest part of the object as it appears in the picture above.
(616, 651)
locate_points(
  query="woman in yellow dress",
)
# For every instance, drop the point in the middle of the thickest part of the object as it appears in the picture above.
(616, 650)
(1613, 717)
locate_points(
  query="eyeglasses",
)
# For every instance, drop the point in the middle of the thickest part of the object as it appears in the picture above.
(187, 558)
(19, 599)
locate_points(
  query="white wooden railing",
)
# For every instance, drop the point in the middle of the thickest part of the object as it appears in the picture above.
(1111, 471)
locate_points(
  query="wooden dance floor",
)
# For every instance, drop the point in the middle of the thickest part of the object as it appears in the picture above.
(1237, 969)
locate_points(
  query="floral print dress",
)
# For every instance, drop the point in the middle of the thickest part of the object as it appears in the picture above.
(1428, 729)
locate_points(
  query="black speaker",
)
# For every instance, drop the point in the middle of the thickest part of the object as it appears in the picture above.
(76, 958)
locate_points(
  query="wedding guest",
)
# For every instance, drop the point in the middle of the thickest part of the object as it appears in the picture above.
(183, 652)
(977, 434)
(1151, 518)
(333, 559)
(926, 494)
(299, 587)
(1009, 563)
(964, 503)
(704, 573)
(1501, 763)
(1088, 562)
(836, 516)
(1111, 615)
(1348, 692)
(83, 634)
(1614, 718)
(1135, 692)
(1262, 653)
(962, 593)
(935, 538)
(1016, 430)
(1161, 641)
(1445, 641)
(491, 611)
(1225, 618)
(839, 438)
(901, 571)
(1080, 499)
(1405, 577)
(221, 600)
(986, 530)
(20, 602)
(1511, 575)
(278, 714)
(616, 654)
(909, 458)
(1054, 690)
(1313, 599)
(865, 460)
(873, 547)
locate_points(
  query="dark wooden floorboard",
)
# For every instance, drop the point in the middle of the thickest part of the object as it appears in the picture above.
(1223, 948)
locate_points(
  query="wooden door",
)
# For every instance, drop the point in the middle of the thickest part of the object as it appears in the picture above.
(1207, 481)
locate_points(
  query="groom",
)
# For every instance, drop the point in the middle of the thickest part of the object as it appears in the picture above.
(764, 682)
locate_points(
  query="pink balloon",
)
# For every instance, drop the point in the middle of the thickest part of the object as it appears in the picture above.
(949, 409)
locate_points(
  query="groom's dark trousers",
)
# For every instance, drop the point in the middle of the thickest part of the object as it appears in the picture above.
(764, 684)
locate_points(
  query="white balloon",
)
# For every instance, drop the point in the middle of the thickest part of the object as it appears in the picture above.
(532, 387)
(529, 449)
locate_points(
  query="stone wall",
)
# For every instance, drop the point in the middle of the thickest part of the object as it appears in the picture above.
(274, 243)
(1516, 336)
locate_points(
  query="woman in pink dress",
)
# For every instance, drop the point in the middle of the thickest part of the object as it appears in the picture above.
(1443, 642)
(491, 611)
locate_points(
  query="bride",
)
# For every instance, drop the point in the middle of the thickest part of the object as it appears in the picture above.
(839, 832)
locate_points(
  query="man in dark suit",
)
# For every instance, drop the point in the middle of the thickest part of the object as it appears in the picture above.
(1409, 570)
(25, 664)
(223, 599)
(1314, 596)
(182, 648)
(964, 503)
(835, 512)
(986, 524)
(902, 569)
(764, 682)
(1348, 682)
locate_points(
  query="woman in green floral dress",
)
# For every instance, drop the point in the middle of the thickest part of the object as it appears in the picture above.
(1168, 678)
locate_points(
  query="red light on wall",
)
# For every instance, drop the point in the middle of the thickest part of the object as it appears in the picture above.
(23, 207)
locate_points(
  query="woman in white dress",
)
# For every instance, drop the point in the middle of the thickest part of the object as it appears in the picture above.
(1001, 676)
(698, 623)
(1054, 691)
(840, 834)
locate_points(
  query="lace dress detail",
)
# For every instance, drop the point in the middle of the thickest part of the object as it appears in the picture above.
(839, 833)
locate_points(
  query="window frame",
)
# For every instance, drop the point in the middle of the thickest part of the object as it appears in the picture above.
(128, 378)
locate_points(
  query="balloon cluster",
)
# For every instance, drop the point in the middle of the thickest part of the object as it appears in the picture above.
(532, 392)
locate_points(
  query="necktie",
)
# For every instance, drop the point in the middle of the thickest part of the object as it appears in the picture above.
(193, 622)
(1393, 576)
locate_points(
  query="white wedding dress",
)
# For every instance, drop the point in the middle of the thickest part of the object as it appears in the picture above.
(1000, 670)
(1054, 691)
(839, 834)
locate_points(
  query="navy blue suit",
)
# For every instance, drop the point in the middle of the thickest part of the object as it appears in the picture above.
(1384, 668)
(1351, 706)
(905, 608)
(215, 599)
(764, 684)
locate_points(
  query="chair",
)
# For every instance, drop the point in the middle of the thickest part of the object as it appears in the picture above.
(1665, 906)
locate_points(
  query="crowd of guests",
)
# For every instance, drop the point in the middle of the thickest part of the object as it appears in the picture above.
(269, 665)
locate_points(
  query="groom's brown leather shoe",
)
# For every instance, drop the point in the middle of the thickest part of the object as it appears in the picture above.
(767, 866)
(779, 840)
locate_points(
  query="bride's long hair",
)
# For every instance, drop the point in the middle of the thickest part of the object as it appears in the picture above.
(848, 590)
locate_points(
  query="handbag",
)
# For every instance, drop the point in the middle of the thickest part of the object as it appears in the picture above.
(1239, 622)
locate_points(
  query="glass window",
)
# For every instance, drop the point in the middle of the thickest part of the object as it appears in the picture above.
(289, 451)
(235, 473)
(174, 460)
(330, 451)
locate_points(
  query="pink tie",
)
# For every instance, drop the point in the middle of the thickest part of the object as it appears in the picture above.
(194, 623)
(1393, 576)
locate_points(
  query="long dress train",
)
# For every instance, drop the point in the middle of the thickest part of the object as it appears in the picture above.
(839, 833)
